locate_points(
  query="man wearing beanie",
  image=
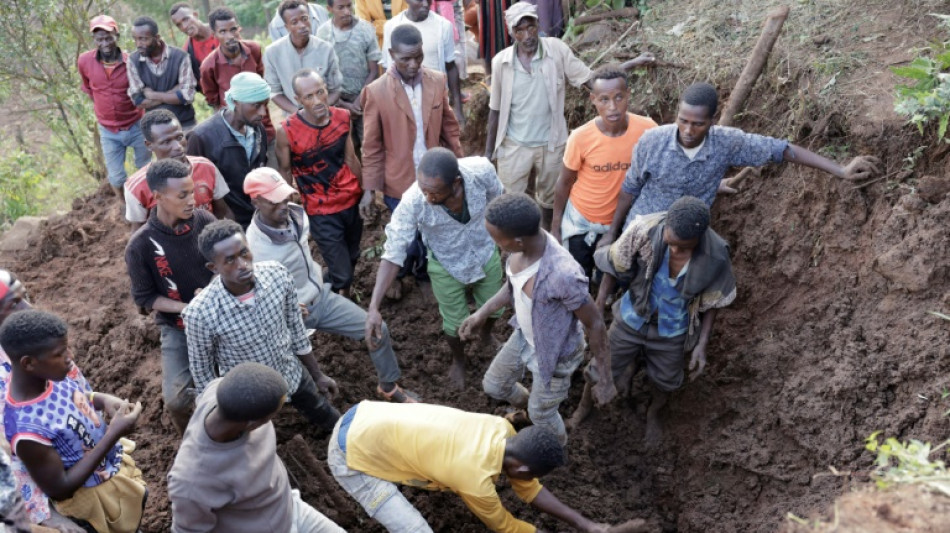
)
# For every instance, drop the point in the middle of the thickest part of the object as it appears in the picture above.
(235, 139)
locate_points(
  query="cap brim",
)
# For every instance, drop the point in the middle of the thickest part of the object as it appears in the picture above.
(279, 194)
(103, 27)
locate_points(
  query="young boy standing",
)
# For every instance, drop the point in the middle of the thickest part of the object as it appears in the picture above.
(57, 426)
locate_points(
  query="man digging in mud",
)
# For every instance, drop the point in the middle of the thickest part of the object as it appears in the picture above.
(280, 231)
(376, 445)
(549, 292)
(250, 313)
(679, 275)
(447, 206)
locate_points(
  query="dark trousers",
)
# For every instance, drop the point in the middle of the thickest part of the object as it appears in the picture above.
(313, 405)
(338, 238)
(582, 253)
(417, 261)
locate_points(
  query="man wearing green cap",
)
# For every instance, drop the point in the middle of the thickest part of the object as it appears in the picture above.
(235, 140)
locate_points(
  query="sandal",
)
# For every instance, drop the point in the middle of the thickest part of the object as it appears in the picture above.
(397, 395)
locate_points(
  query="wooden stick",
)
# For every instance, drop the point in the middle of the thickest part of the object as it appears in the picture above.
(755, 64)
(627, 12)
(617, 42)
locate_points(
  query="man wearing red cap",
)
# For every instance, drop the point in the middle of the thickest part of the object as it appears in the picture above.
(104, 79)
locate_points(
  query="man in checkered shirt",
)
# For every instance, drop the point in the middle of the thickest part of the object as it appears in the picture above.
(249, 312)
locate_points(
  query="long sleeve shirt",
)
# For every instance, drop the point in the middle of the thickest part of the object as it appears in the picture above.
(282, 61)
(463, 249)
(224, 332)
(187, 83)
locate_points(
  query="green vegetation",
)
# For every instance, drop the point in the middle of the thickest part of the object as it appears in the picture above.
(929, 96)
(908, 462)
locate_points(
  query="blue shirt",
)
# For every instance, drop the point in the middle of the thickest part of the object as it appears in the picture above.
(665, 300)
(247, 141)
(661, 172)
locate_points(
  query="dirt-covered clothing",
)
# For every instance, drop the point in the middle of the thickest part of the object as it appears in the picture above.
(436, 448)
(163, 261)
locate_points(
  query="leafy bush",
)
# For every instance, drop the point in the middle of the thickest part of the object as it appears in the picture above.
(929, 97)
(908, 462)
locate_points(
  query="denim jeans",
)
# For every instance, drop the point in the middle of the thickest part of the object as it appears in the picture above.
(178, 389)
(114, 148)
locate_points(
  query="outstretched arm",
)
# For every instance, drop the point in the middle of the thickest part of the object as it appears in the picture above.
(859, 168)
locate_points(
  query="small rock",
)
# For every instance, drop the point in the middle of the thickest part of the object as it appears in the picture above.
(912, 203)
(25, 231)
(933, 189)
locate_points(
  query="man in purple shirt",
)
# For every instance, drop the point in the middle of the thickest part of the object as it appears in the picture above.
(548, 290)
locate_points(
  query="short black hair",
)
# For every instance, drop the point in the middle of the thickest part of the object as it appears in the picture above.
(153, 118)
(439, 163)
(159, 172)
(179, 5)
(292, 4)
(406, 35)
(250, 391)
(26, 332)
(146, 21)
(702, 94)
(304, 73)
(536, 448)
(610, 71)
(516, 214)
(688, 218)
(221, 14)
(214, 233)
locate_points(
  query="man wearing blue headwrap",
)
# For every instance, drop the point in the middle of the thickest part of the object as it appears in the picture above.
(234, 139)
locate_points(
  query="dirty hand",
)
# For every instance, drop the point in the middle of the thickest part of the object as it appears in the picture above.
(374, 329)
(725, 187)
(697, 362)
(470, 327)
(327, 385)
(110, 405)
(352, 107)
(604, 390)
(367, 205)
(606, 240)
(304, 312)
(862, 167)
(125, 418)
(646, 58)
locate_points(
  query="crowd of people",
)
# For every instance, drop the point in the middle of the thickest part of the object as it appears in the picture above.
(550, 223)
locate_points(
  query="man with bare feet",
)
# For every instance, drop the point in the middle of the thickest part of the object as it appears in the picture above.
(447, 206)
(549, 292)
(681, 276)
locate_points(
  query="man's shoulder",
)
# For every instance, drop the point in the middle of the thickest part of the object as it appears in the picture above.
(278, 45)
(380, 84)
(340, 115)
(136, 181)
(323, 31)
(657, 136)
(477, 167)
(434, 76)
(200, 162)
(86, 58)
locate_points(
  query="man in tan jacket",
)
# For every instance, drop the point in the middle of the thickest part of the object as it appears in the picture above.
(395, 137)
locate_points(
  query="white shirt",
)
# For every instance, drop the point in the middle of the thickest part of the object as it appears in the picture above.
(691, 152)
(414, 93)
(438, 40)
(523, 306)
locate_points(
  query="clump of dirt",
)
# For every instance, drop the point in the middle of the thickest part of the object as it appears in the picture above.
(904, 509)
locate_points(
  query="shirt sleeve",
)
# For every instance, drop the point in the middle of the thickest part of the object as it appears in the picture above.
(573, 157)
(573, 288)
(144, 290)
(576, 71)
(209, 83)
(494, 96)
(221, 188)
(135, 83)
(401, 230)
(448, 41)
(134, 210)
(298, 332)
(189, 513)
(270, 71)
(494, 187)
(186, 83)
(334, 78)
(202, 348)
(84, 85)
(635, 179)
(387, 31)
(373, 54)
(374, 153)
(493, 514)
(750, 149)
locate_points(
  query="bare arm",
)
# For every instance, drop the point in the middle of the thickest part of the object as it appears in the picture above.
(492, 133)
(562, 191)
(374, 321)
(698, 361)
(333, 97)
(593, 321)
(349, 157)
(467, 330)
(624, 202)
(284, 103)
(548, 503)
(607, 284)
(859, 168)
(221, 209)
(167, 305)
(282, 150)
(455, 91)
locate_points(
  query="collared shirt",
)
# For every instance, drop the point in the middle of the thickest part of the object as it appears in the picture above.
(666, 300)
(318, 15)
(557, 65)
(661, 172)
(529, 123)
(186, 76)
(414, 93)
(282, 60)
(463, 249)
(247, 139)
(356, 48)
(224, 332)
(438, 40)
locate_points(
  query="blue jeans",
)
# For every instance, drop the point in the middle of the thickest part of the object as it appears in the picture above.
(114, 148)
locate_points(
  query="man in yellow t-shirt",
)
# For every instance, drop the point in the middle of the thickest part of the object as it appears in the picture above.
(596, 160)
(376, 445)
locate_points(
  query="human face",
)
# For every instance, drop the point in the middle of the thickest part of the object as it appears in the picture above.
(311, 93)
(234, 262)
(106, 41)
(525, 34)
(275, 215)
(342, 13)
(418, 10)
(146, 43)
(297, 21)
(407, 59)
(228, 34)
(693, 123)
(186, 21)
(506, 243)
(14, 301)
(611, 98)
(680, 250)
(251, 113)
(52, 361)
(436, 190)
(177, 198)
(168, 141)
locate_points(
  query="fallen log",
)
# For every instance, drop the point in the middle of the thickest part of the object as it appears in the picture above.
(627, 12)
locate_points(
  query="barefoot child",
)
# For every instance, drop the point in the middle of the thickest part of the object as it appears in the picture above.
(65, 434)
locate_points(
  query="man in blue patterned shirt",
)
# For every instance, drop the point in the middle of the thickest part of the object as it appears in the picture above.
(691, 157)
(447, 206)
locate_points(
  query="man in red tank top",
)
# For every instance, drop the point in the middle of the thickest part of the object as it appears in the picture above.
(315, 152)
